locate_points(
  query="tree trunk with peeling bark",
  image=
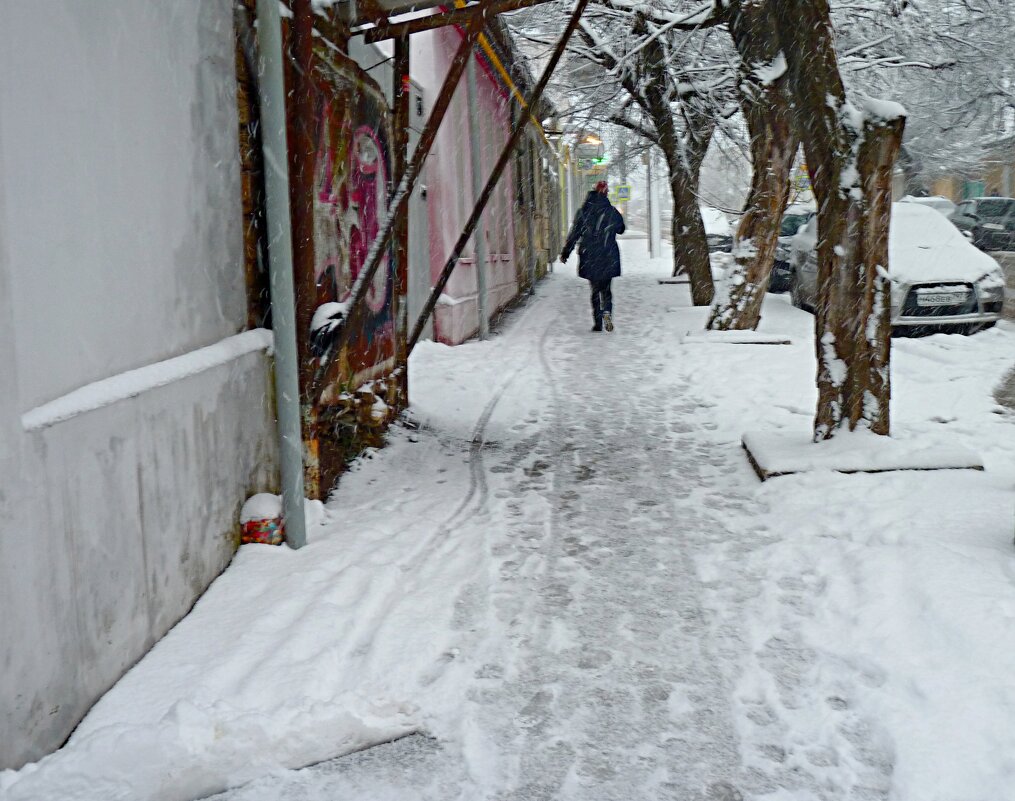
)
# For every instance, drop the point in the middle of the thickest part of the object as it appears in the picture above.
(683, 155)
(850, 150)
(766, 108)
(690, 244)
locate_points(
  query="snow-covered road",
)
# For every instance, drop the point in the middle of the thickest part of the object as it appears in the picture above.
(569, 584)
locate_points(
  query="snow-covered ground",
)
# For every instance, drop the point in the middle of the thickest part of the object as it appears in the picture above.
(569, 584)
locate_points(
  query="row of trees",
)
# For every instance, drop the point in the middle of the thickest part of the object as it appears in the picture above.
(781, 75)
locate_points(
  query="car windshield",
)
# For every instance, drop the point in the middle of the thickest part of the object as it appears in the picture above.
(792, 222)
(994, 207)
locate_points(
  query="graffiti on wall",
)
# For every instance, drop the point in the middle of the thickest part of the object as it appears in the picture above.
(351, 186)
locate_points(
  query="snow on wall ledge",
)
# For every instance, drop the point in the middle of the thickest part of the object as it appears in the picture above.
(133, 382)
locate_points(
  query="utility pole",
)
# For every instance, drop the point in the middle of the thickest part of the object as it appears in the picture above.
(530, 159)
(479, 239)
(655, 238)
(623, 172)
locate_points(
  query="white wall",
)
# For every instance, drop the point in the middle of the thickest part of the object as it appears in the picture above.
(118, 123)
(120, 246)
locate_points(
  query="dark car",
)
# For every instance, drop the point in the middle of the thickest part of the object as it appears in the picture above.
(988, 222)
(793, 220)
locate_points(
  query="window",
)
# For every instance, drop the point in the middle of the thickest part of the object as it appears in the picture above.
(994, 207)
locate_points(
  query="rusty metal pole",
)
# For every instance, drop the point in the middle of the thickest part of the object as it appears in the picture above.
(302, 132)
(505, 156)
(401, 99)
(399, 205)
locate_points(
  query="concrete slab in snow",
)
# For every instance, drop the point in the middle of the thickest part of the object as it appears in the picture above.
(734, 338)
(783, 453)
(680, 279)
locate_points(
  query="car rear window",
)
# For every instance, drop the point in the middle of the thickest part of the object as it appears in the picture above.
(791, 222)
(994, 208)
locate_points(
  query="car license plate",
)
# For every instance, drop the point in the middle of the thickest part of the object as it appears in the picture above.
(940, 298)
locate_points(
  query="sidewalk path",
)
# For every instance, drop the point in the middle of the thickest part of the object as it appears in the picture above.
(568, 584)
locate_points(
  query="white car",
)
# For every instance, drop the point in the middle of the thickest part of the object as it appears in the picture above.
(936, 202)
(718, 230)
(939, 280)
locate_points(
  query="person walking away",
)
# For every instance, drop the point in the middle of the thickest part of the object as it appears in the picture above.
(595, 230)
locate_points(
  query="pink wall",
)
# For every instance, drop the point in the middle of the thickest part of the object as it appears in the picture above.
(449, 188)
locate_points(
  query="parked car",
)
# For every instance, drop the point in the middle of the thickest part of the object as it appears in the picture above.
(718, 231)
(989, 222)
(939, 281)
(936, 202)
(796, 216)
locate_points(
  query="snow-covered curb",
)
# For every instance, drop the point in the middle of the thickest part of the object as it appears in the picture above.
(775, 454)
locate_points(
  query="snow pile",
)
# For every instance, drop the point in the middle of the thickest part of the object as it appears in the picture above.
(328, 317)
(262, 506)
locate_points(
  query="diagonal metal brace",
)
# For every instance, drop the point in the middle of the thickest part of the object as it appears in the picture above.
(399, 205)
(498, 170)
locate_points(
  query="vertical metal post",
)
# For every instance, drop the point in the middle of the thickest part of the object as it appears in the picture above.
(571, 169)
(623, 172)
(655, 233)
(529, 228)
(401, 100)
(475, 151)
(271, 88)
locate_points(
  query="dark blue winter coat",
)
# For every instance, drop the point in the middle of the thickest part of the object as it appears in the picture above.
(595, 230)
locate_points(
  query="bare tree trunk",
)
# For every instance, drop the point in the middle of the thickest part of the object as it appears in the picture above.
(850, 153)
(690, 245)
(765, 104)
(683, 155)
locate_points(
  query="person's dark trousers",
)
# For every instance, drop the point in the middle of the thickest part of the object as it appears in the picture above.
(602, 299)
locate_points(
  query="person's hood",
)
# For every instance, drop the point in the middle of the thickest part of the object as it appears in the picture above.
(597, 197)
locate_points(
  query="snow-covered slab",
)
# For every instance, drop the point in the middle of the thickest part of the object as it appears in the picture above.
(783, 453)
(734, 338)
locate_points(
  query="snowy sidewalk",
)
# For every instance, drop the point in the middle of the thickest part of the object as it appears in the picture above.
(570, 585)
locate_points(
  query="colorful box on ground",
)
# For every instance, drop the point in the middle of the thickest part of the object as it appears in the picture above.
(261, 520)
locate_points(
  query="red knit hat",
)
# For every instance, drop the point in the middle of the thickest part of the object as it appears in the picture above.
(601, 187)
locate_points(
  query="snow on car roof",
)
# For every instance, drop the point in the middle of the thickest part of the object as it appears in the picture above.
(923, 247)
(715, 221)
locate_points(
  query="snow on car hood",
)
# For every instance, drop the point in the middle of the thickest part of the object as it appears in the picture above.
(923, 246)
(715, 222)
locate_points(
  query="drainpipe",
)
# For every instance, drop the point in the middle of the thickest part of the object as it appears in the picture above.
(271, 89)
(479, 240)
(655, 240)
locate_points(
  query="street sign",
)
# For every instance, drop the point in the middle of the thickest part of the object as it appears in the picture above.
(622, 192)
